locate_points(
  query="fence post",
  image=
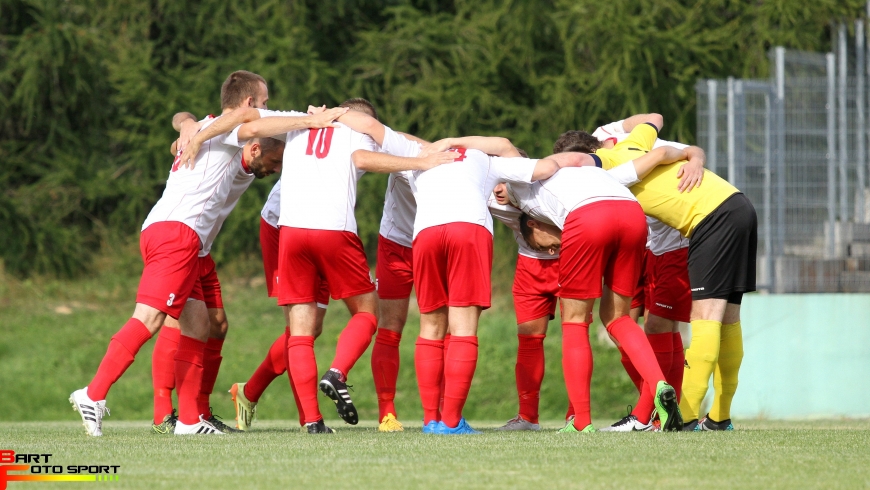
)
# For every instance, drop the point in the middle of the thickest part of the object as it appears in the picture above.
(780, 150)
(843, 147)
(731, 130)
(860, 151)
(766, 215)
(830, 249)
(712, 130)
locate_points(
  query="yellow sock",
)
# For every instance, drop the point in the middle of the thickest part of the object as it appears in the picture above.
(725, 376)
(701, 358)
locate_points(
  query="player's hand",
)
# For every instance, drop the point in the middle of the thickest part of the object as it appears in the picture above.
(690, 174)
(188, 155)
(439, 146)
(316, 110)
(432, 161)
(326, 118)
(501, 194)
(189, 128)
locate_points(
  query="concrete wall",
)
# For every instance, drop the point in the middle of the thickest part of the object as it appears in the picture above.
(806, 355)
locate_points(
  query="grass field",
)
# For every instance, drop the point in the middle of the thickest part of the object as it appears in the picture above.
(819, 454)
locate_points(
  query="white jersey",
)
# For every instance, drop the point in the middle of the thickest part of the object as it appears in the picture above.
(661, 238)
(241, 182)
(196, 196)
(320, 192)
(510, 216)
(569, 189)
(272, 209)
(400, 207)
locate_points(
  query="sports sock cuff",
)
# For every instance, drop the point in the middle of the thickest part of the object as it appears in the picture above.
(531, 338)
(572, 325)
(621, 323)
(388, 337)
(169, 333)
(731, 329)
(371, 319)
(297, 340)
(132, 335)
(465, 339)
(706, 327)
(190, 350)
(661, 342)
(430, 342)
(214, 345)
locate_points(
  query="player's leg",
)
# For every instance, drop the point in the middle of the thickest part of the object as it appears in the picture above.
(577, 359)
(218, 326)
(727, 367)
(163, 376)
(638, 309)
(702, 354)
(460, 362)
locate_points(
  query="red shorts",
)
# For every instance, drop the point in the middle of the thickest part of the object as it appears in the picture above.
(452, 266)
(308, 257)
(668, 293)
(207, 287)
(536, 284)
(170, 251)
(269, 238)
(394, 274)
(638, 300)
(603, 239)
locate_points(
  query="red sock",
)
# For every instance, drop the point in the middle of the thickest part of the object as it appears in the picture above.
(570, 412)
(632, 339)
(302, 371)
(353, 341)
(577, 369)
(443, 379)
(675, 374)
(120, 354)
(163, 371)
(460, 361)
(629, 368)
(662, 346)
(530, 373)
(211, 364)
(429, 364)
(272, 366)
(188, 378)
(385, 369)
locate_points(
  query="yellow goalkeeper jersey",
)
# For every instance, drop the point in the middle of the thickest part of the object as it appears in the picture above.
(657, 193)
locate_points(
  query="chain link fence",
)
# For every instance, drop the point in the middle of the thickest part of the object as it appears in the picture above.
(796, 145)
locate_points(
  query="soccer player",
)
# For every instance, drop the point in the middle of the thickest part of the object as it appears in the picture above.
(172, 236)
(599, 230)
(721, 226)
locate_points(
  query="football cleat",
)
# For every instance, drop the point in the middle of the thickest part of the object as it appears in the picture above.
(569, 427)
(431, 427)
(629, 423)
(519, 423)
(203, 427)
(691, 426)
(245, 410)
(92, 412)
(167, 426)
(318, 428)
(462, 428)
(667, 407)
(216, 421)
(707, 423)
(336, 389)
(390, 424)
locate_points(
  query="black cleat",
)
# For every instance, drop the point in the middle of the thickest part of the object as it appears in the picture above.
(318, 428)
(707, 423)
(691, 426)
(336, 389)
(220, 425)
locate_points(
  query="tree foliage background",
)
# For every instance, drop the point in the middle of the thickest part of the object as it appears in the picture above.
(88, 88)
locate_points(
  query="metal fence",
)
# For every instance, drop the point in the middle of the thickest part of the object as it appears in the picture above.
(796, 145)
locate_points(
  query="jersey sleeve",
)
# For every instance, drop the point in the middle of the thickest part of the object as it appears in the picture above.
(362, 141)
(659, 143)
(626, 174)
(642, 137)
(515, 170)
(397, 145)
(609, 130)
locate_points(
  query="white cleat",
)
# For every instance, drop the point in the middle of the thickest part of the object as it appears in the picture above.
(629, 423)
(202, 427)
(92, 412)
(519, 423)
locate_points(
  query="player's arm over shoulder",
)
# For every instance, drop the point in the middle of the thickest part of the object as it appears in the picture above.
(643, 131)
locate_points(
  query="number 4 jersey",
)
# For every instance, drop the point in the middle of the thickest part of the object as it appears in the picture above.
(319, 178)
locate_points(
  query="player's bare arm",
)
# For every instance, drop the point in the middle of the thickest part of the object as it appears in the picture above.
(371, 161)
(187, 125)
(491, 145)
(363, 123)
(692, 172)
(663, 155)
(275, 125)
(631, 122)
(225, 123)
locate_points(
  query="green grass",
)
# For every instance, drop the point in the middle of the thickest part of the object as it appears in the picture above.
(820, 454)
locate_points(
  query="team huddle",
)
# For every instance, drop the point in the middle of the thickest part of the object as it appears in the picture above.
(617, 215)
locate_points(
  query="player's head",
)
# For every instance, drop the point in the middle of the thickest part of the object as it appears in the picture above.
(361, 105)
(522, 152)
(244, 89)
(264, 156)
(576, 141)
(541, 236)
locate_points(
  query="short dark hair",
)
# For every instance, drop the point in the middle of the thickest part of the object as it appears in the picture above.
(361, 105)
(576, 140)
(525, 229)
(269, 145)
(522, 152)
(239, 86)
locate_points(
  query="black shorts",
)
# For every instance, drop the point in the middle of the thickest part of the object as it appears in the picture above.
(722, 251)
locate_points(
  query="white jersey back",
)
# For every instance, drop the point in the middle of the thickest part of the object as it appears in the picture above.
(662, 238)
(272, 209)
(400, 206)
(196, 196)
(510, 216)
(320, 188)
(567, 190)
(240, 184)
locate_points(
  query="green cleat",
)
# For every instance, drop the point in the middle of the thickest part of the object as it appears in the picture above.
(667, 407)
(167, 426)
(569, 427)
(245, 410)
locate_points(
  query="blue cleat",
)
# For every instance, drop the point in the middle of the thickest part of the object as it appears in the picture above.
(461, 429)
(431, 427)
